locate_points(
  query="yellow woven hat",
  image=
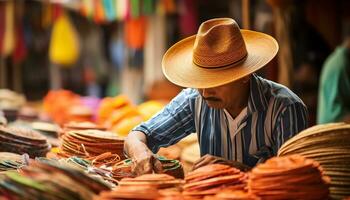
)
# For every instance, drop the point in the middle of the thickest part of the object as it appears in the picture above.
(218, 54)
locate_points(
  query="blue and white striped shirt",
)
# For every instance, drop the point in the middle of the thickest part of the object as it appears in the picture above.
(274, 114)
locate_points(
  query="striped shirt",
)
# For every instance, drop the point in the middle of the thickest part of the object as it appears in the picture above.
(273, 115)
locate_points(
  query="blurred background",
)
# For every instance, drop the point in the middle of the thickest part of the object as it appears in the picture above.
(95, 49)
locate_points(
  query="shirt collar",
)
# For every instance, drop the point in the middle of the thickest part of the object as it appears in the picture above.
(257, 100)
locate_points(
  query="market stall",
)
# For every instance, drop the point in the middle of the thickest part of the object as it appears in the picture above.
(77, 77)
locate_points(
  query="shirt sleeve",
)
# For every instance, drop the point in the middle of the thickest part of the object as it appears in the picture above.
(345, 92)
(334, 91)
(293, 119)
(171, 124)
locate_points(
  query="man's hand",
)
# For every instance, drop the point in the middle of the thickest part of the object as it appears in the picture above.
(210, 159)
(143, 160)
(146, 163)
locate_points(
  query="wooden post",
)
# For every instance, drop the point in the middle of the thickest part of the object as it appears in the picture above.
(282, 18)
(55, 77)
(3, 73)
(17, 78)
(246, 14)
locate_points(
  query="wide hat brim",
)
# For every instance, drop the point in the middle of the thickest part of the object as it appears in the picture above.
(179, 68)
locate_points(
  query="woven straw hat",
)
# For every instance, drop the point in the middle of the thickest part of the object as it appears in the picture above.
(329, 145)
(218, 54)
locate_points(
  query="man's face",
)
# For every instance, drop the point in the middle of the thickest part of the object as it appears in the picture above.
(225, 96)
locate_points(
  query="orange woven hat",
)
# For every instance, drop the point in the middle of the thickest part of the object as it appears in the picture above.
(218, 54)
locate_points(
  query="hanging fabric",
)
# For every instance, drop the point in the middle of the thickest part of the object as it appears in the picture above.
(57, 11)
(117, 48)
(2, 26)
(154, 49)
(109, 9)
(64, 45)
(99, 15)
(92, 52)
(169, 6)
(128, 10)
(121, 9)
(148, 7)
(135, 58)
(188, 17)
(135, 8)
(20, 50)
(46, 20)
(160, 8)
(135, 31)
(133, 89)
(9, 39)
(87, 8)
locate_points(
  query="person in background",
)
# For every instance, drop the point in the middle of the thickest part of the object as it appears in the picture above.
(334, 88)
(240, 118)
(309, 51)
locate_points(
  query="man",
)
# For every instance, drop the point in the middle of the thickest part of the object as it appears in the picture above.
(334, 91)
(240, 118)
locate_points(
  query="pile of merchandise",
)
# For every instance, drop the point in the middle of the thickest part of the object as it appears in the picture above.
(95, 145)
(135, 192)
(329, 145)
(160, 181)
(211, 179)
(232, 195)
(12, 161)
(149, 186)
(81, 126)
(49, 130)
(20, 140)
(10, 104)
(88, 161)
(48, 180)
(290, 177)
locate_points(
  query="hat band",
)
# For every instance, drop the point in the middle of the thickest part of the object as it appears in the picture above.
(224, 66)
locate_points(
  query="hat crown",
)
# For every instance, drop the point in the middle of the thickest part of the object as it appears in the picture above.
(218, 43)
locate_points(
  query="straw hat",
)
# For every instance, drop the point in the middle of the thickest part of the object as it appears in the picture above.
(329, 145)
(218, 54)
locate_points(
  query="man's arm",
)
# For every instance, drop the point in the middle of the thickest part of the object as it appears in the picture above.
(144, 160)
(167, 127)
(293, 119)
(210, 159)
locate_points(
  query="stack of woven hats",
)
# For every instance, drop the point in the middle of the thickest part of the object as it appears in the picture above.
(213, 178)
(80, 126)
(290, 177)
(329, 144)
(12, 161)
(20, 140)
(48, 180)
(148, 186)
(160, 181)
(49, 130)
(135, 192)
(232, 195)
(10, 103)
(91, 144)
